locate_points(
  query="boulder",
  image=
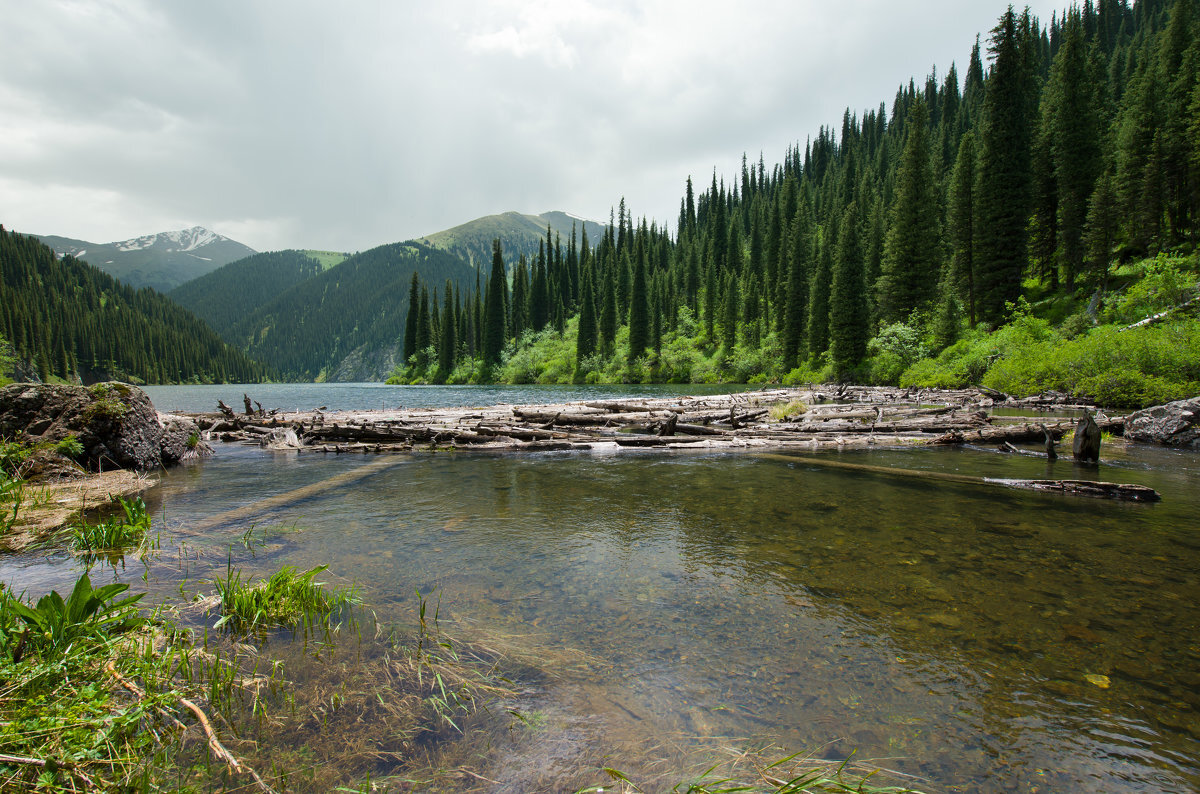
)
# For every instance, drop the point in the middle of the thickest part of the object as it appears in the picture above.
(115, 423)
(180, 438)
(1175, 424)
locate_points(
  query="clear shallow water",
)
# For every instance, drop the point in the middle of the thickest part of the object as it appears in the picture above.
(687, 602)
(380, 396)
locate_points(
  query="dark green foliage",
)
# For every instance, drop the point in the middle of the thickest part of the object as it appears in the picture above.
(448, 339)
(228, 294)
(639, 312)
(912, 251)
(74, 320)
(410, 322)
(960, 224)
(1002, 193)
(585, 346)
(494, 326)
(849, 318)
(818, 302)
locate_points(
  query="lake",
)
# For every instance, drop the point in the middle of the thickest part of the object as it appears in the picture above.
(973, 638)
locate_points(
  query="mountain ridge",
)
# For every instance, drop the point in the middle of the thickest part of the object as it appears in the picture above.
(161, 260)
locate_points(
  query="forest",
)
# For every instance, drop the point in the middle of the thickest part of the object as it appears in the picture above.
(1002, 227)
(67, 319)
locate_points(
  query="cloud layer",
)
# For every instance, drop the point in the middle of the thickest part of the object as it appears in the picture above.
(305, 124)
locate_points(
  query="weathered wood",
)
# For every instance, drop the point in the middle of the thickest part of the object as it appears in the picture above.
(1107, 490)
(1086, 445)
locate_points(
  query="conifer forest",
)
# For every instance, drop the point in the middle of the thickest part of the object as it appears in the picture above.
(1042, 196)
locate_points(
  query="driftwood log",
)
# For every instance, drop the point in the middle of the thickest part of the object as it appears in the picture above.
(868, 416)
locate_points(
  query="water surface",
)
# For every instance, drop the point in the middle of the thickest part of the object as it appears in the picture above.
(691, 602)
(380, 396)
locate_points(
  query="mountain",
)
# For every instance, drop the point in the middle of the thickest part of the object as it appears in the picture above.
(519, 234)
(68, 319)
(162, 261)
(346, 323)
(231, 293)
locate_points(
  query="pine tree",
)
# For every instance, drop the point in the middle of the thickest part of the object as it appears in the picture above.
(818, 301)
(410, 322)
(729, 320)
(912, 250)
(639, 312)
(1074, 126)
(448, 343)
(585, 344)
(797, 247)
(424, 328)
(520, 299)
(1002, 193)
(960, 223)
(608, 312)
(849, 316)
(494, 320)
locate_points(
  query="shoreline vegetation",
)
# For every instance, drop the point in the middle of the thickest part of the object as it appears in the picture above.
(1137, 347)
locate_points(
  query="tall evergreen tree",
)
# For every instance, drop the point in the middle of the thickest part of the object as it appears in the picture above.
(912, 250)
(639, 311)
(410, 321)
(1002, 193)
(849, 316)
(818, 301)
(960, 222)
(585, 343)
(494, 320)
(448, 342)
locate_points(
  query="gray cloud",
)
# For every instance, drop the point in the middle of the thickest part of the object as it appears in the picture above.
(304, 124)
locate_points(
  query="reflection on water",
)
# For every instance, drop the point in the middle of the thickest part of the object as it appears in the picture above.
(976, 638)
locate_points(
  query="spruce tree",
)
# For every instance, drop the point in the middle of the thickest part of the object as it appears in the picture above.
(608, 312)
(729, 320)
(410, 321)
(585, 343)
(494, 320)
(849, 316)
(818, 301)
(912, 249)
(960, 224)
(448, 343)
(1002, 193)
(639, 312)
(1074, 127)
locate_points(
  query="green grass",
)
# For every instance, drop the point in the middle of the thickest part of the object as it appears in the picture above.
(287, 598)
(121, 531)
(327, 259)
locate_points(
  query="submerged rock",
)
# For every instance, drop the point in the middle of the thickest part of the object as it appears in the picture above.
(115, 423)
(1175, 424)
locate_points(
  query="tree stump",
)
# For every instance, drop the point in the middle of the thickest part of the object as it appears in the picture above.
(1086, 448)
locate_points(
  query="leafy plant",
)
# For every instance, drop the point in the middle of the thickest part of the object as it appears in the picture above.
(55, 623)
(69, 446)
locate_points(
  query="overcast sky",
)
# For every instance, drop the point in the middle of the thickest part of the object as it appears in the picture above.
(288, 124)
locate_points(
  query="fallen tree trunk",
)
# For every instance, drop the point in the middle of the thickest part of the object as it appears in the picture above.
(1105, 490)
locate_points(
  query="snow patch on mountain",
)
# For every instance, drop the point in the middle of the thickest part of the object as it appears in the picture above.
(182, 240)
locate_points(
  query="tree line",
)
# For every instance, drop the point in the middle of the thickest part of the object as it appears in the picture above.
(1065, 148)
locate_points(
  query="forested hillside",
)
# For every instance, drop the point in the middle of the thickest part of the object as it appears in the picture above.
(346, 323)
(68, 319)
(228, 295)
(1050, 186)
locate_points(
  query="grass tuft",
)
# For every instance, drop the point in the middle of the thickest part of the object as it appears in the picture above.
(287, 598)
